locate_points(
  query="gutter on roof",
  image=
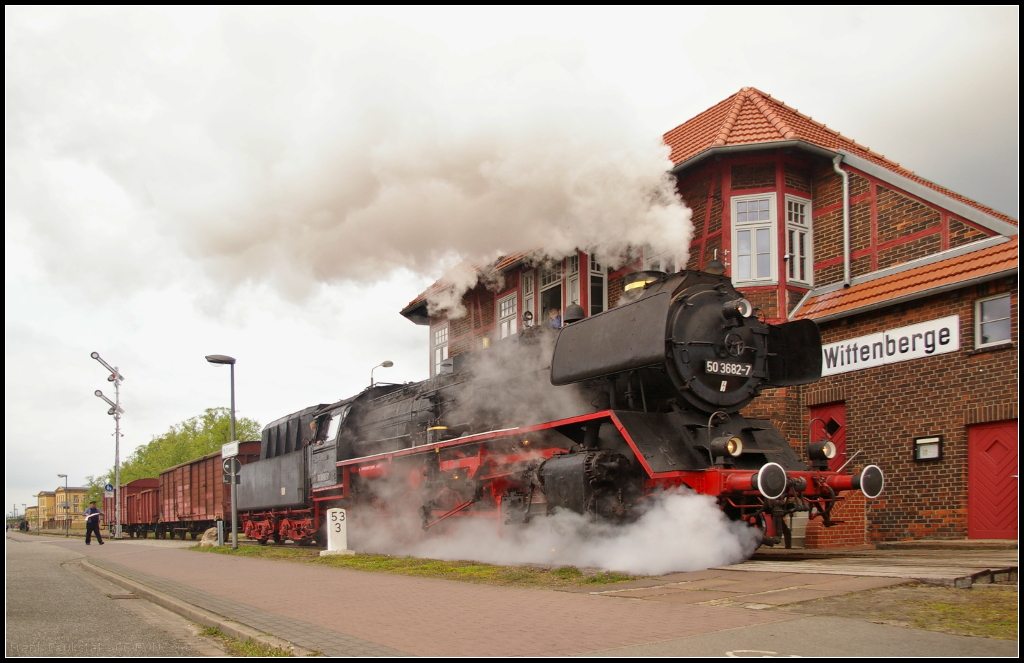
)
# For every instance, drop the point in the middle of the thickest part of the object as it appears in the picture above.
(938, 290)
(923, 192)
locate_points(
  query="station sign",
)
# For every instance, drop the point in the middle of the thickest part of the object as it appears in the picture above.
(918, 341)
(108, 494)
(229, 450)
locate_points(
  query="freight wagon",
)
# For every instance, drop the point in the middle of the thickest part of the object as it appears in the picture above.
(187, 499)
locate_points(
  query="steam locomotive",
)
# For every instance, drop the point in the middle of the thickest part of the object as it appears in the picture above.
(596, 417)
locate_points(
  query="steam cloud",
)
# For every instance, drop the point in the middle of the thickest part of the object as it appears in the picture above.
(680, 532)
(277, 147)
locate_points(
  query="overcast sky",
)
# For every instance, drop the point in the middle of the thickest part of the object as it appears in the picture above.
(276, 185)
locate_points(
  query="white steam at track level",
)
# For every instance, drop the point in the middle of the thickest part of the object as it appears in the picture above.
(278, 148)
(680, 532)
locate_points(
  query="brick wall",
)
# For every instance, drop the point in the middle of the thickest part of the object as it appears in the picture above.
(798, 178)
(907, 251)
(888, 406)
(753, 176)
(960, 233)
(899, 215)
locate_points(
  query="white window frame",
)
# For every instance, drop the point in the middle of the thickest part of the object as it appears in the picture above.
(978, 322)
(773, 249)
(792, 264)
(439, 335)
(572, 264)
(552, 274)
(509, 320)
(529, 280)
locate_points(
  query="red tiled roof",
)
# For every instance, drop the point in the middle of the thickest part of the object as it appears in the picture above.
(916, 281)
(751, 116)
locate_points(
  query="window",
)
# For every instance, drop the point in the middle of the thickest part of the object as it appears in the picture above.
(598, 287)
(507, 316)
(799, 265)
(551, 293)
(753, 238)
(572, 283)
(992, 321)
(439, 347)
(528, 302)
(550, 275)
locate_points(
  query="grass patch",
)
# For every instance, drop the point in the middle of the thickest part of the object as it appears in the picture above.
(988, 611)
(243, 647)
(461, 570)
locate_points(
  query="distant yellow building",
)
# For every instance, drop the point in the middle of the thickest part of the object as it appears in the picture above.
(69, 506)
(46, 506)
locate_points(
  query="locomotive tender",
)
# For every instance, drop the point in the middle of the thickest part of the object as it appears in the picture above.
(596, 417)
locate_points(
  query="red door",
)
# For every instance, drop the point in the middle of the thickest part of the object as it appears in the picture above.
(829, 421)
(992, 481)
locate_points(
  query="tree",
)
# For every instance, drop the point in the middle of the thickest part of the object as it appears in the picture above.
(182, 442)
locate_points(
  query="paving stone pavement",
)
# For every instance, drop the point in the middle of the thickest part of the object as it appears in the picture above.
(345, 612)
(296, 631)
(340, 611)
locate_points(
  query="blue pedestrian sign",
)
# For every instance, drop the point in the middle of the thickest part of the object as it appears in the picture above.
(108, 487)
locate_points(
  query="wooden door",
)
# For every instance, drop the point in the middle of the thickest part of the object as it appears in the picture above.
(829, 421)
(992, 481)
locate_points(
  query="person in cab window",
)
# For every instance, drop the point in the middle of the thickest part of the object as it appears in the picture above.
(554, 318)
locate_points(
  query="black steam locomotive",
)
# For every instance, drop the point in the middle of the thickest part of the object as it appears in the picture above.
(595, 417)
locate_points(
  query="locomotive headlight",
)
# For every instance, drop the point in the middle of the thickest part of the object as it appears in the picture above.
(727, 446)
(738, 308)
(823, 450)
(637, 280)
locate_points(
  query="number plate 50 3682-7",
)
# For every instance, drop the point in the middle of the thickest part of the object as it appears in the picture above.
(728, 368)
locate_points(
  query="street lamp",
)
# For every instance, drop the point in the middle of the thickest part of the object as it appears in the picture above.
(384, 364)
(230, 361)
(66, 505)
(116, 412)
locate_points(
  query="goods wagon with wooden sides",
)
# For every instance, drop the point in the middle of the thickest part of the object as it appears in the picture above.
(140, 508)
(193, 495)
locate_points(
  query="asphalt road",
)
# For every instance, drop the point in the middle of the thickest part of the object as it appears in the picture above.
(822, 637)
(56, 609)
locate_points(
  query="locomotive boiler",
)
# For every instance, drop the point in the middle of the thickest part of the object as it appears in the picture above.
(597, 417)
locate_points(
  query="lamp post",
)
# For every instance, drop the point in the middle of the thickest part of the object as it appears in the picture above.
(230, 361)
(66, 505)
(384, 364)
(115, 411)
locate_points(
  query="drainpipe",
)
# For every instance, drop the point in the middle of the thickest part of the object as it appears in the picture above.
(846, 218)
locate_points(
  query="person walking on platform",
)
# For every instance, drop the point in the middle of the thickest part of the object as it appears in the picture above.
(92, 523)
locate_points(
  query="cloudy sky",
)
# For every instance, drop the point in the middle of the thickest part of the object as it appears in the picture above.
(277, 184)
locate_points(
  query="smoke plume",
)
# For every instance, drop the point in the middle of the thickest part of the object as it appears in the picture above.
(680, 532)
(280, 148)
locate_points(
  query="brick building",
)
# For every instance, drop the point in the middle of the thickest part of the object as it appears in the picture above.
(913, 286)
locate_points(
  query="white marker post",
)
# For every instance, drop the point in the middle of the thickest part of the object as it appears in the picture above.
(337, 534)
